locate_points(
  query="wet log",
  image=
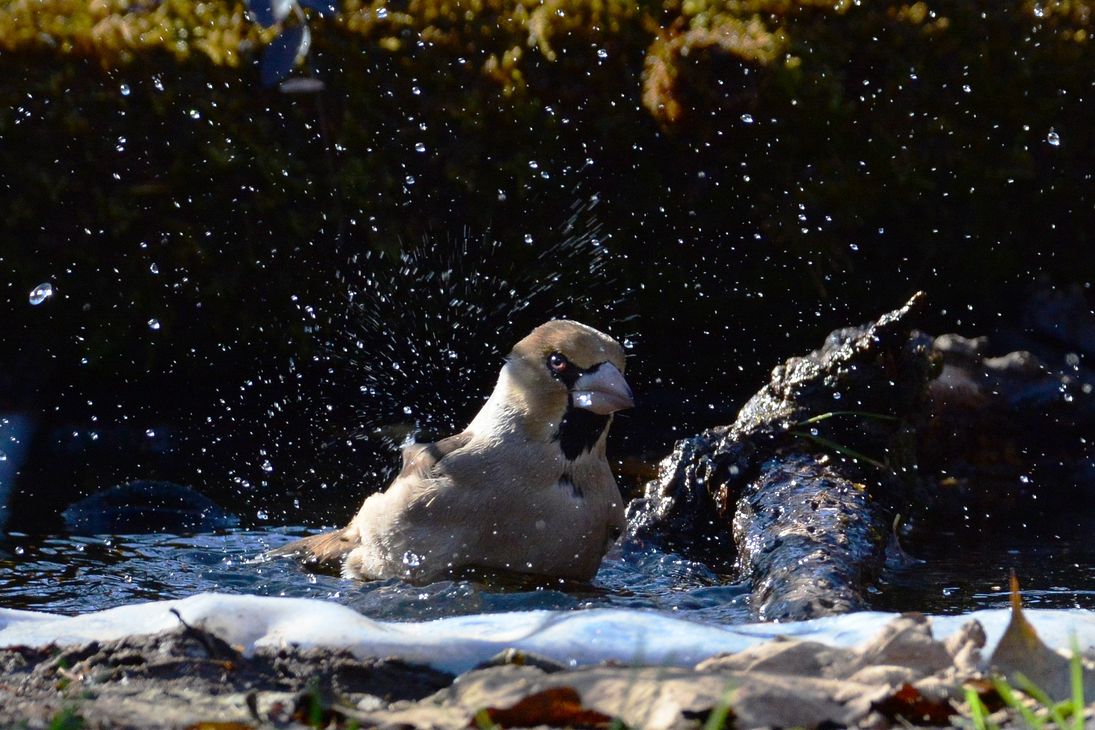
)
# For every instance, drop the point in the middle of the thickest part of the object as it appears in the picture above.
(801, 491)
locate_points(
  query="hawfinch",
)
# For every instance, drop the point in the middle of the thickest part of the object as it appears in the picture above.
(525, 488)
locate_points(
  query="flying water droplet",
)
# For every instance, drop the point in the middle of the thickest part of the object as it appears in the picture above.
(3, 456)
(412, 559)
(747, 118)
(267, 466)
(124, 89)
(150, 433)
(154, 268)
(583, 400)
(420, 147)
(1053, 138)
(153, 324)
(41, 293)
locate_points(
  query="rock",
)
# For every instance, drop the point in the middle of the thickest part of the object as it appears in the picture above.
(801, 490)
(1004, 430)
(808, 537)
(146, 506)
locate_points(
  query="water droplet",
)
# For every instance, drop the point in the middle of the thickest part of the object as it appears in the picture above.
(41, 293)
(124, 89)
(420, 147)
(836, 396)
(267, 466)
(407, 410)
(602, 53)
(153, 324)
(120, 145)
(19, 550)
(3, 456)
(409, 180)
(150, 433)
(411, 559)
(381, 13)
(528, 238)
(154, 268)
(1053, 138)
(262, 515)
(747, 118)
(195, 114)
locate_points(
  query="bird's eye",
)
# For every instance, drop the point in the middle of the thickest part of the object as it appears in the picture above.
(557, 362)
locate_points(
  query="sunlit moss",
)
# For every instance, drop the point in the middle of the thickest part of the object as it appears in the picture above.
(115, 31)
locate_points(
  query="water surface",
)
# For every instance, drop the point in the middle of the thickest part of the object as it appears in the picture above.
(71, 574)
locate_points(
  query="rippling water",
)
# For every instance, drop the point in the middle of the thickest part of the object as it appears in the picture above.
(69, 574)
(66, 574)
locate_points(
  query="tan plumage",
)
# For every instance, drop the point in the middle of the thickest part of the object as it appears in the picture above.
(525, 487)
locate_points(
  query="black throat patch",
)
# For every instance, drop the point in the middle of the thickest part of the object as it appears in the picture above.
(578, 431)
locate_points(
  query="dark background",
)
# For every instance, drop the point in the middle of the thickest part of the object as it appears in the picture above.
(323, 288)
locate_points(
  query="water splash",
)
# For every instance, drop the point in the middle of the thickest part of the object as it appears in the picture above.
(40, 293)
(423, 332)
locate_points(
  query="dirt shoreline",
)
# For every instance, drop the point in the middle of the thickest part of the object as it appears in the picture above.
(189, 678)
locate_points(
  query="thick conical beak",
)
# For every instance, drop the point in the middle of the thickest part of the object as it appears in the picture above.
(602, 391)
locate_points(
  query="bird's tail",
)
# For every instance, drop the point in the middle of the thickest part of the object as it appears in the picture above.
(324, 548)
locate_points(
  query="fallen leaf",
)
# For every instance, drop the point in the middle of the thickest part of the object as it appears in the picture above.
(1020, 651)
(908, 703)
(558, 706)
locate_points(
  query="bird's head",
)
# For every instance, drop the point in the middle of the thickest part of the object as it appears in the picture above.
(564, 366)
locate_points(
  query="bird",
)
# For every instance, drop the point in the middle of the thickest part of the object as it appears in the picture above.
(526, 488)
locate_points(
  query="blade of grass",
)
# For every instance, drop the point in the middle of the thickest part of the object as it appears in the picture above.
(1036, 692)
(978, 711)
(1076, 673)
(717, 719)
(834, 446)
(830, 414)
(1008, 696)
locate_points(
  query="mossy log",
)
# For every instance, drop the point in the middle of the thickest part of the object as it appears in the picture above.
(802, 490)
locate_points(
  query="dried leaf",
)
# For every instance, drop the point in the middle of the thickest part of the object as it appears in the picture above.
(910, 704)
(558, 707)
(1021, 652)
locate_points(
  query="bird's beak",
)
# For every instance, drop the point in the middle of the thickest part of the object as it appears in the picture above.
(602, 391)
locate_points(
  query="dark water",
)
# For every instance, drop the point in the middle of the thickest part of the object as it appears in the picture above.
(962, 571)
(67, 574)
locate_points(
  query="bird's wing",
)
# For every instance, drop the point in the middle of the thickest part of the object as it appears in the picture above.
(419, 459)
(323, 548)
